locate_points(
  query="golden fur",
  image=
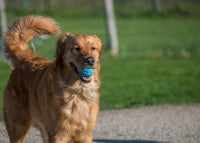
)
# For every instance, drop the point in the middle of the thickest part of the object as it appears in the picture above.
(51, 96)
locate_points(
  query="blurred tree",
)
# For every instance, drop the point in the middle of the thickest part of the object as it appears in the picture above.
(111, 26)
(3, 17)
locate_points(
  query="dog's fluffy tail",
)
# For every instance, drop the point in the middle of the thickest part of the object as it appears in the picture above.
(15, 43)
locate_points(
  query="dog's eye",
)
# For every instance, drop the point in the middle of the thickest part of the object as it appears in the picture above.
(93, 48)
(77, 48)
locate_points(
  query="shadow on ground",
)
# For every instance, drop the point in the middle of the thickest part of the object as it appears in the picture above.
(126, 141)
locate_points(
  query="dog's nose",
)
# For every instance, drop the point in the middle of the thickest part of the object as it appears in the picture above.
(89, 61)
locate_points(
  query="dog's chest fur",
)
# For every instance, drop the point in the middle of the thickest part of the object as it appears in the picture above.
(76, 104)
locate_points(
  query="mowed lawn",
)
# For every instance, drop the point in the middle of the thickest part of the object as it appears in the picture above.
(158, 62)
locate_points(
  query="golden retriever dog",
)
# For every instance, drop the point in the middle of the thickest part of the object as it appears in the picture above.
(60, 98)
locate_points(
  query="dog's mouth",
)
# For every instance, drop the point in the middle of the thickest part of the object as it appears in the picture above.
(85, 79)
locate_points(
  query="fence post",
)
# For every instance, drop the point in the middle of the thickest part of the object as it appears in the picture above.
(111, 26)
(3, 17)
(156, 5)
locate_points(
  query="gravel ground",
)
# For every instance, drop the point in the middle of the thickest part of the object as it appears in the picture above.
(157, 124)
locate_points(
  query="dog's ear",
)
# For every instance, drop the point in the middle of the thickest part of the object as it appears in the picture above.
(63, 44)
(99, 42)
(60, 50)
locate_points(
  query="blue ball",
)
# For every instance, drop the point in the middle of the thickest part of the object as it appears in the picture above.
(87, 71)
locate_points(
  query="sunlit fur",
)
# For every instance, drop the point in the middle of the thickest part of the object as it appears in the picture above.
(50, 95)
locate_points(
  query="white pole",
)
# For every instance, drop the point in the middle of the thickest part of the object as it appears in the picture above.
(156, 5)
(3, 17)
(111, 26)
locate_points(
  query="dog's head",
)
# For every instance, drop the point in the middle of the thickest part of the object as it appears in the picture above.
(80, 54)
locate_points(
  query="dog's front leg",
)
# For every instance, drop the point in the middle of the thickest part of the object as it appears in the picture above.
(88, 139)
(84, 138)
(61, 139)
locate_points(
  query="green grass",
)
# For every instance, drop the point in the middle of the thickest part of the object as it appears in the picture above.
(158, 62)
(149, 82)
